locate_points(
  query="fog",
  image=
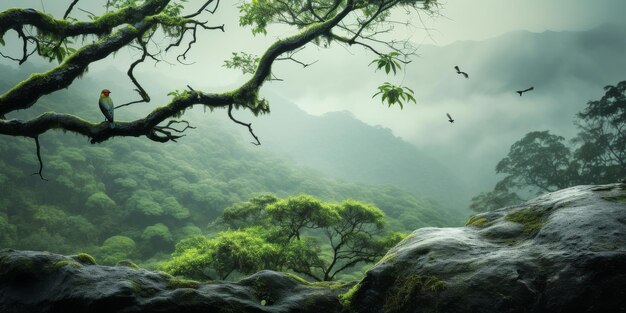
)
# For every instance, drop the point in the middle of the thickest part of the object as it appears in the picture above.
(567, 50)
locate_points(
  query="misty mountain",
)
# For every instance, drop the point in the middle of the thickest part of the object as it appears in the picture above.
(567, 69)
(343, 147)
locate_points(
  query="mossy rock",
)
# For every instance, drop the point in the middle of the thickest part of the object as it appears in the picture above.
(143, 291)
(182, 283)
(532, 218)
(64, 263)
(412, 289)
(85, 259)
(620, 198)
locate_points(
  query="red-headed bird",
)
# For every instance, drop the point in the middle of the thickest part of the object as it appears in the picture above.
(106, 106)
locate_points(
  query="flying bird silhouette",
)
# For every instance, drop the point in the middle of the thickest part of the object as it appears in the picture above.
(525, 90)
(450, 118)
(458, 71)
(106, 106)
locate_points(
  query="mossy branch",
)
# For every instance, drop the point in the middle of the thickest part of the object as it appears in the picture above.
(99, 132)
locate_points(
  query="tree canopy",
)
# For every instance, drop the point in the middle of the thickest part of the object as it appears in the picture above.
(133, 24)
(301, 234)
(542, 162)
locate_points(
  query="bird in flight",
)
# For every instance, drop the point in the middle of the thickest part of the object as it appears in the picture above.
(458, 71)
(450, 118)
(525, 90)
(106, 106)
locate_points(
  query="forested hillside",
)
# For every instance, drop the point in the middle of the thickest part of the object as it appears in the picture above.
(131, 198)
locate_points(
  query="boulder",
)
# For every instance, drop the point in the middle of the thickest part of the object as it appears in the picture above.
(33, 281)
(561, 252)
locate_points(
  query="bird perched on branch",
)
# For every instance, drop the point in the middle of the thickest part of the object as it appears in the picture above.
(458, 71)
(525, 90)
(450, 118)
(106, 106)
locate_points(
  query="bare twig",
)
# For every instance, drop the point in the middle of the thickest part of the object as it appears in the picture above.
(140, 90)
(39, 158)
(249, 125)
(90, 14)
(69, 9)
(202, 8)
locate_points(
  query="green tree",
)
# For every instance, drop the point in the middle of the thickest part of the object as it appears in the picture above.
(352, 231)
(499, 197)
(158, 27)
(602, 152)
(115, 249)
(541, 161)
(304, 211)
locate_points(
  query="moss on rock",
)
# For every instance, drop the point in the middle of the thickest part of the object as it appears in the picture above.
(478, 222)
(182, 283)
(411, 290)
(85, 259)
(532, 218)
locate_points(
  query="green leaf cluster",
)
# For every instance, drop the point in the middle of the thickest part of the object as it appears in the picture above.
(395, 94)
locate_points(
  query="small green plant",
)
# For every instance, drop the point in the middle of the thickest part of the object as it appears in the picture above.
(395, 94)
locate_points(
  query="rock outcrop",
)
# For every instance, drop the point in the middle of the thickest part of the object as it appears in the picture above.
(44, 282)
(561, 252)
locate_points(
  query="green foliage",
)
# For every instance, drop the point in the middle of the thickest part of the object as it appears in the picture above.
(389, 62)
(246, 62)
(100, 199)
(602, 141)
(114, 249)
(540, 160)
(270, 232)
(395, 94)
(157, 231)
(303, 211)
(500, 197)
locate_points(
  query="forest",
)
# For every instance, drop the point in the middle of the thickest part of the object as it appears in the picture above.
(135, 200)
(165, 192)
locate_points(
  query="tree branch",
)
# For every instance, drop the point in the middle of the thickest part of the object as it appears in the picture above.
(99, 132)
(39, 158)
(249, 125)
(69, 9)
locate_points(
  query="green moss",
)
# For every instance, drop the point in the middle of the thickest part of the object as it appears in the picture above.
(141, 290)
(478, 222)
(298, 279)
(387, 258)
(165, 275)
(182, 283)
(346, 298)
(532, 219)
(64, 263)
(407, 291)
(333, 285)
(85, 258)
(129, 263)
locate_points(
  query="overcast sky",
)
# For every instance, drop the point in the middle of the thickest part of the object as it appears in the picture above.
(489, 116)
